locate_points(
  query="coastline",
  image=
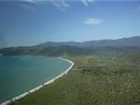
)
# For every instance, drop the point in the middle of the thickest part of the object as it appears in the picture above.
(42, 85)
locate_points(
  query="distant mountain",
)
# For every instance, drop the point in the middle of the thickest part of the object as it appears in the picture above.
(123, 42)
(131, 44)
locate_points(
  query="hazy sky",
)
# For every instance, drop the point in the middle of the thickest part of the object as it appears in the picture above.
(29, 22)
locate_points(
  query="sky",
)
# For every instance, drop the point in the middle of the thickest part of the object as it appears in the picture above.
(30, 22)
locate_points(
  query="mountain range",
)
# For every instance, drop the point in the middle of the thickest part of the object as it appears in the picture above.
(131, 42)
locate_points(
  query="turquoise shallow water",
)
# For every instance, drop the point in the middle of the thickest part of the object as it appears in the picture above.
(19, 74)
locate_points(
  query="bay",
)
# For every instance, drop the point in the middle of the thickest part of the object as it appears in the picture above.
(19, 74)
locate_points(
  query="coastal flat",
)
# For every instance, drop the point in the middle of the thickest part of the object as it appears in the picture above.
(108, 78)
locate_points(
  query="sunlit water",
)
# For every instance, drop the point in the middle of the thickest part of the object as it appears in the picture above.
(19, 74)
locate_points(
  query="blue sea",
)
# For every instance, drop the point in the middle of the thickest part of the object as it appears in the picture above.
(19, 74)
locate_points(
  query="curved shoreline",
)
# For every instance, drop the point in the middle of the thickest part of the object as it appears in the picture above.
(40, 86)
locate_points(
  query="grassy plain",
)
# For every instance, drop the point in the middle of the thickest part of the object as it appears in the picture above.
(108, 78)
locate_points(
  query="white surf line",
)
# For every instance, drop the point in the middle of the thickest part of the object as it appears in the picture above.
(40, 86)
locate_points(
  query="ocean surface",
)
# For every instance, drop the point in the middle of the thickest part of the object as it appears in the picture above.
(19, 74)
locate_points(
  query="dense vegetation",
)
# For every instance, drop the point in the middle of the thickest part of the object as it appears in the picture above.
(108, 77)
(48, 51)
(63, 50)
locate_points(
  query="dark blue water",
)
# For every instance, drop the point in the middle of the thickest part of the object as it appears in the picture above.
(19, 74)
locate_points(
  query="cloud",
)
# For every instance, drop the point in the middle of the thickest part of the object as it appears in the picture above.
(29, 4)
(29, 7)
(86, 2)
(61, 5)
(94, 21)
(32, 1)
